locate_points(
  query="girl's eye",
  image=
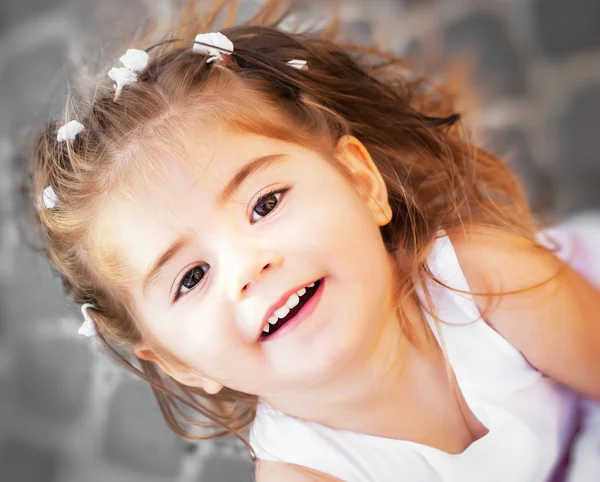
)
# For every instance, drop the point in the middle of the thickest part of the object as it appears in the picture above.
(191, 279)
(266, 204)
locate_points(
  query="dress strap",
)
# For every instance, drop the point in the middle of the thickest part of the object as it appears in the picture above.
(482, 359)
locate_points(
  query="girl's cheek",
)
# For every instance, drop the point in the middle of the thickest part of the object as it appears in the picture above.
(190, 330)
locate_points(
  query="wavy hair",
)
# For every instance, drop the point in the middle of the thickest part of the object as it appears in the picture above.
(436, 178)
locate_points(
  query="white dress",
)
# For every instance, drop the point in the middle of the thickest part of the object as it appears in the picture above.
(530, 418)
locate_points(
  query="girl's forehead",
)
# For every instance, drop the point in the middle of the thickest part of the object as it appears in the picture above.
(193, 157)
(218, 154)
(171, 189)
(211, 168)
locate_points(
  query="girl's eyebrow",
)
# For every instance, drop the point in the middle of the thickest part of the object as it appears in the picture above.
(154, 272)
(245, 171)
(228, 191)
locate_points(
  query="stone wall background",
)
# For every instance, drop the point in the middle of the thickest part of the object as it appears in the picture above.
(69, 415)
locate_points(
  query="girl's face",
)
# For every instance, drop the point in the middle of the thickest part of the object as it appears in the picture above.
(263, 271)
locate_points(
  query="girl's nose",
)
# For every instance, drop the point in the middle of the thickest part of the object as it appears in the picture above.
(247, 268)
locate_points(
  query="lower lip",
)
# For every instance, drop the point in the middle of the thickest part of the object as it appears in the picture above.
(304, 313)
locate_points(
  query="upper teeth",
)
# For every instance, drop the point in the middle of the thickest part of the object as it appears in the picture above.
(284, 310)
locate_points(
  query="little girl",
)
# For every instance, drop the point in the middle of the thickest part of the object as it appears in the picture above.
(296, 238)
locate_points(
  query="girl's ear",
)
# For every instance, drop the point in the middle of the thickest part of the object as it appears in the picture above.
(183, 376)
(356, 158)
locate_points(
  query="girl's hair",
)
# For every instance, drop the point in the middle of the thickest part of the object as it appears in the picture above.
(436, 178)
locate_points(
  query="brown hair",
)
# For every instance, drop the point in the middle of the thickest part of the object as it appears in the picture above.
(436, 178)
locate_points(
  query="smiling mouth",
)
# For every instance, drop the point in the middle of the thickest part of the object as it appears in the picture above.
(289, 310)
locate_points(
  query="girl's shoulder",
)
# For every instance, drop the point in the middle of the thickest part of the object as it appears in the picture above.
(495, 261)
(545, 302)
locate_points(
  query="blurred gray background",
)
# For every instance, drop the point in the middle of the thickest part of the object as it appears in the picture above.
(69, 415)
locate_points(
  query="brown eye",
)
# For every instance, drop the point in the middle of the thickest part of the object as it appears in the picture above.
(191, 279)
(266, 204)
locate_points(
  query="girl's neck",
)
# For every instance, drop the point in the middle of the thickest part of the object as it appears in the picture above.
(391, 395)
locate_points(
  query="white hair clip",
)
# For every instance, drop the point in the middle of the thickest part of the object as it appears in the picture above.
(87, 328)
(134, 61)
(69, 131)
(217, 45)
(298, 64)
(47, 199)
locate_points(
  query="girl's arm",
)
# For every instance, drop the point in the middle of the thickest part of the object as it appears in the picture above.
(556, 326)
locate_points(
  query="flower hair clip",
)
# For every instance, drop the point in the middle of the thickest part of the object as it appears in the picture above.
(214, 44)
(134, 61)
(87, 328)
(69, 131)
(47, 199)
(298, 64)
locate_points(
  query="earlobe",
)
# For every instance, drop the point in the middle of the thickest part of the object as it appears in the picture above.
(192, 379)
(365, 174)
(183, 376)
(211, 387)
(145, 353)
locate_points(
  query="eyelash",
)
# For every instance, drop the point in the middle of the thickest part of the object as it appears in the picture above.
(178, 293)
